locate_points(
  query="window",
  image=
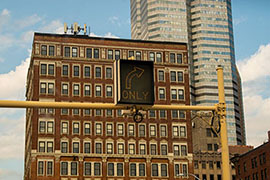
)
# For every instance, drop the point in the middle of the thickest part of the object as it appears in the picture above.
(161, 93)
(98, 112)
(98, 72)
(163, 130)
(40, 168)
(87, 71)
(110, 169)
(109, 112)
(132, 169)
(87, 147)
(98, 90)
(183, 150)
(98, 148)
(64, 89)
(88, 52)
(141, 130)
(96, 53)
(42, 126)
(110, 54)
(164, 170)
(131, 148)
(87, 128)
(98, 128)
(50, 127)
(209, 147)
(173, 76)
(184, 169)
(43, 69)
(64, 168)
(87, 169)
(64, 111)
(177, 96)
(176, 170)
(120, 129)
(211, 164)
(159, 58)
(76, 129)
(162, 113)
(120, 148)
(87, 112)
(76, 147)
(130, 54)
(64, 128)
(180, 77)
(175, 131)
(179, 58)
(43, 88)
(51, 50)
(208, 132)
(120, 169)
(49, 147)
(152, 56)
(141, 169)
(203, 165)
(49, 168)
(176, 151)
(50, 88)
(164, 149)
(138, 55)
(218, 165)
(161, 75)
(73, 168)
(172, 58)
(97, 169)
(109, 148)
(109, 129)
(65, 70)
(74, 52)
(196, 164)
(182, 131)
(154, 169)
(87, 90)
(108, 73)
(41, 146)
(76, 89)
(153, 149)
(67, 51)
(44, 50)
(152, 130)
(64, 147)
(109, 91)
(117, 54)
(131, 130)
(76, 71)
(152, 113)
(142, 149)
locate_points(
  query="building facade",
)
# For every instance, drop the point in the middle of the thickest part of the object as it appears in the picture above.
(102, 144)
(254, 164)
(206, 25)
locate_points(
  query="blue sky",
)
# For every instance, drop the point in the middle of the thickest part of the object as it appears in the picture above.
(19, 19)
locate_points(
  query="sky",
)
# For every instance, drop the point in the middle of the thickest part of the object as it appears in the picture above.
(111, 18)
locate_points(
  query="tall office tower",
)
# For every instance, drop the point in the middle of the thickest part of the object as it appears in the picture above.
(206, 25)
(75, 144)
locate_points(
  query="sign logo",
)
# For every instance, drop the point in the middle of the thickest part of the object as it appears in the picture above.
(135, 82)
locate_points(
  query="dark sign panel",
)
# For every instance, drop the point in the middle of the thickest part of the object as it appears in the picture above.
(135, 82)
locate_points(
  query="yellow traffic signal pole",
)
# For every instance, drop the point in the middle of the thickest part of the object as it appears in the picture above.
(223, 123)
(220, 108)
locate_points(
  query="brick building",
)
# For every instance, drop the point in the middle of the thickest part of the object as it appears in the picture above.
(254, 164)
(100, 144)
(206, 152)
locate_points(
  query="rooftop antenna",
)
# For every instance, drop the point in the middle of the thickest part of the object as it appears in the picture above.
(75, 28)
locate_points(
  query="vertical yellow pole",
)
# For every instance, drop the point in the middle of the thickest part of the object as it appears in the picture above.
(226, 174)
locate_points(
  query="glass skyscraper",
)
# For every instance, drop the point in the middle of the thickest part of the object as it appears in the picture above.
(206, 25)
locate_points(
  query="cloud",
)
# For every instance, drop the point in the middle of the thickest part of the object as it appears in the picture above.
(10, 174)
(256, 66)
(110, 35)
(115, 20)
(239, 20)
(55, 26)
(13, 83)
(256, 85)
(27, 21)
